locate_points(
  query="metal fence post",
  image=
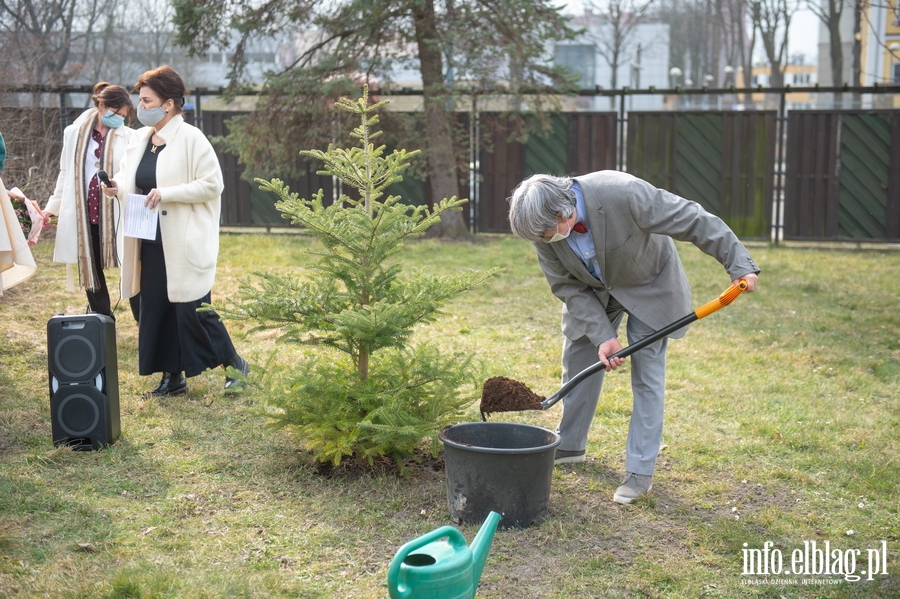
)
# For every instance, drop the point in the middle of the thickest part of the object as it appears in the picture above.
(780, 170)
(620, 162)
(474, 166)
(198, 112)
(63, 113)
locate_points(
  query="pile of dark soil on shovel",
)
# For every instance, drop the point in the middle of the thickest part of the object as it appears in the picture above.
(501, 394)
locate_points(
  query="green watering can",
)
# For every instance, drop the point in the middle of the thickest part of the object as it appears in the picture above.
(439, 565)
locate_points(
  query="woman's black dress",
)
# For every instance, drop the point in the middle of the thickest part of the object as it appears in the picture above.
(173, 337)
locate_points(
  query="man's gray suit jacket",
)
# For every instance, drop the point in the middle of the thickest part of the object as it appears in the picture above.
(633, 225)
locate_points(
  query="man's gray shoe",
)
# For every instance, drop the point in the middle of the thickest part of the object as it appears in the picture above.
(568, 457)
(632, 486)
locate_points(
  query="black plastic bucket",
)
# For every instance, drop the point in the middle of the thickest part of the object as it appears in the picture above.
(499, 466)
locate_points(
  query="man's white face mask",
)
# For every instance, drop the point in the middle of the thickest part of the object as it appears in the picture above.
(558, 236)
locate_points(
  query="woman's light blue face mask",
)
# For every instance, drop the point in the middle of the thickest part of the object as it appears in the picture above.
(113, 120)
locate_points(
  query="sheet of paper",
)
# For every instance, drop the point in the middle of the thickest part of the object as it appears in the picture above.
(140, 221)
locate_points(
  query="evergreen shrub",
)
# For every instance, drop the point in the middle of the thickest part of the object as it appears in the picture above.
(369, 390)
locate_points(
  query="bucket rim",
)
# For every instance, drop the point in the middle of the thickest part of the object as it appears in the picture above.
(500, 450)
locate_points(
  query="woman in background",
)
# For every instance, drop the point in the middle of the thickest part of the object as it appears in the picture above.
(16, 261)
(175, 167)
(89, 231)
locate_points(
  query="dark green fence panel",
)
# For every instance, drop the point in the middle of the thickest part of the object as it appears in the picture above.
(591, 143)
(865, 158)
(415, 188)
(748, 163)
(573, 144)
(811, 175)
(698, 154)
(651, 146)
(841, 180)
(545, 151)
(723, 161)
(502, 167)
(841, 175)
(243, 203)
(892, 227)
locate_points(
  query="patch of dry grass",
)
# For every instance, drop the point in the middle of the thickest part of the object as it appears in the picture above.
(782, 425)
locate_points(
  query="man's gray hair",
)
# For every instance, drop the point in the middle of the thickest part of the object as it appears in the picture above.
(535, 203)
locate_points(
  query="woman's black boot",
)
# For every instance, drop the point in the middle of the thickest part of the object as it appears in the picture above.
(172, 383)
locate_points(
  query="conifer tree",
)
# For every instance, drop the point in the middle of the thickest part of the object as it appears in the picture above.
(370, 391)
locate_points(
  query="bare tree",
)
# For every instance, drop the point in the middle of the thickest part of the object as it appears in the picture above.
(44, 40)
(860, 8)
(699, 28)
(138, 35)
(154, 18)
(734, 31)
(618, 20)
(33, 145)
(739, 42)
(773, 20)
(829, 12)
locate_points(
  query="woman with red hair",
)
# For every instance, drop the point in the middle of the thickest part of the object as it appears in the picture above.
(173, 165)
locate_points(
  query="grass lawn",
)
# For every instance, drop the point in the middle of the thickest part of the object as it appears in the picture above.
(782, 425)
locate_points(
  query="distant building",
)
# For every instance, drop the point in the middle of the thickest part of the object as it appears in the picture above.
(262, 56)
(879, 50)
(796, 74)
(643, 61)
(137, 52)
(888, 54)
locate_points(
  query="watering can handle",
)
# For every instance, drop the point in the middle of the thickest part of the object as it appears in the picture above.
(456, 539)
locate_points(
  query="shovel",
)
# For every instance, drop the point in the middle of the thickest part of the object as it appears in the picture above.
(706, 309)
(501, 394)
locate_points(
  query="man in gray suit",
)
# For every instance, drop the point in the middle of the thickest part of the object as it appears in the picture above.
(605, 244)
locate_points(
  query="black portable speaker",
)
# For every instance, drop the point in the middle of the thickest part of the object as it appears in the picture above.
(84, 381)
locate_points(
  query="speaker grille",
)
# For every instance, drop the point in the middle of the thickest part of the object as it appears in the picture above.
(75, 357)
(78, 415)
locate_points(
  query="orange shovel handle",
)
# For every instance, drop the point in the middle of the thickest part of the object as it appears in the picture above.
(723, 300)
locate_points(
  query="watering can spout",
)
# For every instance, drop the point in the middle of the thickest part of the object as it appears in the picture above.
(481, 545)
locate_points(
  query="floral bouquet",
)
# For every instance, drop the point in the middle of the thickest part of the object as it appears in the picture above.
(28, 213)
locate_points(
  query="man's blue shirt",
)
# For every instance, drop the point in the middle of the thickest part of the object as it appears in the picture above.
(582, 243)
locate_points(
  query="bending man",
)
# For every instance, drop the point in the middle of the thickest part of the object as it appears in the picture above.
(605, 244)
